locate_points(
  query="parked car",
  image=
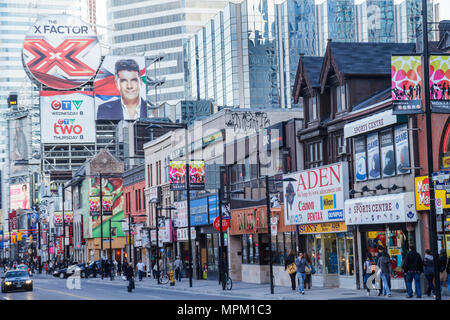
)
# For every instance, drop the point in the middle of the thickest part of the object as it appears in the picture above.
(16, 280)
(93, 268)
(82, 268)
(60, 272)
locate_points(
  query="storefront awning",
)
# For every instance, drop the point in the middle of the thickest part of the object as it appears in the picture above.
(391, 208)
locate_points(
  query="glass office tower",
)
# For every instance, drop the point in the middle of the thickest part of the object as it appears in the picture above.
(375, 21)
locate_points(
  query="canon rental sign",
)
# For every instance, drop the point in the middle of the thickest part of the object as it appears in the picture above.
(317, 195)
(61, 52)
(67, 117)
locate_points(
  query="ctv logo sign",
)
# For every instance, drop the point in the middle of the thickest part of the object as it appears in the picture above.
(66, 126)
(66, 105)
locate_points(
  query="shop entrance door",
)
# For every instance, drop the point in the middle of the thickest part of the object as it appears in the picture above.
(331, 268)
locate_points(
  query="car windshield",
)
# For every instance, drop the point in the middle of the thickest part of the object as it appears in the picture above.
(14, 274)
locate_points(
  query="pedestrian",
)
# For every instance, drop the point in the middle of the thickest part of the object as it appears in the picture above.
(377, 258)
(119, 267)
(178, 266)
(308, 273)
(124, 266)
(413, 267)
(444, 265)
(129, 274)
(428, 266)
(293, 274)
(155, 270)
(384, 263)
(140, 269)
(115, 267)
(301, 264)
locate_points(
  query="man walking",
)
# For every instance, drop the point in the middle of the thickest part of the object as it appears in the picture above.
(140, 268)
(178, 266)
(412, 268)
(129, 274)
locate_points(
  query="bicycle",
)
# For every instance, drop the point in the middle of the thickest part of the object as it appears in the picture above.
(163, 278)
(227, 283)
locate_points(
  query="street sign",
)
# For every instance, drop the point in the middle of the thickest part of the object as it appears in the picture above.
(441, 176)
(225, 224)
(439, 206)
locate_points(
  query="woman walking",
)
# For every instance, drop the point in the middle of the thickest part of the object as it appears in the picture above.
(289, 260)
(384, 263)
(308, 273)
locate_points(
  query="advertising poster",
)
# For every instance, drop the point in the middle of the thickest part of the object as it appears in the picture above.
(199, 212)
(197, 174)
(67, 117)
(19, 145)
(406, 72)
(317, 195)
(440, 83)
(177, 175)
(402, 149)
(360, 159)
(61, 52)
(20, 196)
(387, 153)
(120, 92)
(113, 205)
(373, 156)
(58, 217)
(180, 214)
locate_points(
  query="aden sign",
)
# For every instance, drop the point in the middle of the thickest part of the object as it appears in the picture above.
(317, 195)
(61, 52)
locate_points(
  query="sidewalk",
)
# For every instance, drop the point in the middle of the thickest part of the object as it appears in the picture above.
(260, 291)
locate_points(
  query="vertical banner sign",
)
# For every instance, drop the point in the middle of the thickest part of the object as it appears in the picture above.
(440, 83)
(67, 116)
(19, 196)
(177, 175)
(402, 149)
(360, 159)
(373, 156)
(61, 52)
(317, 196)
(406, 87)
(197, 174)
(387, 153)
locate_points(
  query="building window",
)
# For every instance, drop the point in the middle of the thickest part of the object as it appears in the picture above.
(143, 198)
(382, 153)
(314, 156)
(150, 175)
(312, 108)
(340, 98)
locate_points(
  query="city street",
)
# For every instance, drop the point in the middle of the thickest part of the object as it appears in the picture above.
(50, 288)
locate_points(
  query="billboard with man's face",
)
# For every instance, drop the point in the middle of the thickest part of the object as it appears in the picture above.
(119, 88)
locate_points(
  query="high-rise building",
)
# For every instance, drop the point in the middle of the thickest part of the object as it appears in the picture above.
(335, 20)
(408, 16)
(375, 21)
(158, 28)
(247, 54)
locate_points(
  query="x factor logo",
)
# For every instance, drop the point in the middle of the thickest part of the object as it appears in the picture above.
(64, 56)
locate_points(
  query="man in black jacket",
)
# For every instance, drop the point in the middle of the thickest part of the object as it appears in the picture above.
(412, 268)
(129, 274)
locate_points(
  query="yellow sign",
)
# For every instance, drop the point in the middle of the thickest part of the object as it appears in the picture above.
(328, 202)
(422, 194)
(394, 251)
(372, 234)
(445, 162)
(326, 227)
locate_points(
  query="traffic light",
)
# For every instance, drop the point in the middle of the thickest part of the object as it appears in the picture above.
(12, 100)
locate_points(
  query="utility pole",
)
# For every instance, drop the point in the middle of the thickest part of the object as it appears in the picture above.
(426, 76)
(101, 225)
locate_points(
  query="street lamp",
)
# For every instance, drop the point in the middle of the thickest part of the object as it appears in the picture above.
(268, 228)
(158, 208)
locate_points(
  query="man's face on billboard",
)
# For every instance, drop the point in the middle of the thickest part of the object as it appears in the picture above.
(128, 83)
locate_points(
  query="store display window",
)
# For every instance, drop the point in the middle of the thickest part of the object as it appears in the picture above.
(394, 241)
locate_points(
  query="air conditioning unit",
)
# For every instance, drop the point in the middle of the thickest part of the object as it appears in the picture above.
(342, 150)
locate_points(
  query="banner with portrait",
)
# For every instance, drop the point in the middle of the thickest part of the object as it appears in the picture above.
(402, 149)
(19, 145)
(119, 88)
(19, 196)
(360, 159)
(373, 156)
(387, 153)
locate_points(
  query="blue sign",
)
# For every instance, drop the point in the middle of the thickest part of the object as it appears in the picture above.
(1, 242)
(213, 205)
(199, 212)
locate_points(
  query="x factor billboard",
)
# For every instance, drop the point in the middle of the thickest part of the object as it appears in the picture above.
(67, 117)
(119, 87)
(61, 52)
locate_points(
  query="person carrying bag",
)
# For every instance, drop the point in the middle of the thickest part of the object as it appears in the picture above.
(289, 265)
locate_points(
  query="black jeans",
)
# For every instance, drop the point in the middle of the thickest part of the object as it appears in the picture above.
(293, 276)
(130, 286)
(308, 281)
